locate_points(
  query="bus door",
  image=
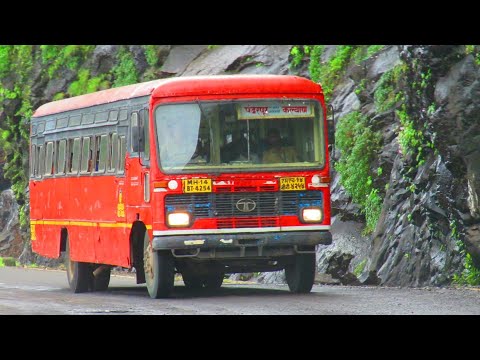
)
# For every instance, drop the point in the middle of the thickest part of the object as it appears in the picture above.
(118, 157)
(137, 190)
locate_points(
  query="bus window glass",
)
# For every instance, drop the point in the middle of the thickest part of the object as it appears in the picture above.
(76, 155)
(41, 160)
(146, 134)
(97, 152)
(33, 154)
(61, 146)
(87, 119)
(49, 159)
(102, 153)
(134, 123)
(86, 156)
(70, 156)
(123, 152)
(113, 116)
(74, 120)
(113, 158)
(123, 114)
(243, 135)
(101, 117)
(62, 123)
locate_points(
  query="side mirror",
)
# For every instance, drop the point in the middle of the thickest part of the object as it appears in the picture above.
(331, 128)
(138, 142)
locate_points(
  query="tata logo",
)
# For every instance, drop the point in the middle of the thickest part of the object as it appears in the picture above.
(246, 205)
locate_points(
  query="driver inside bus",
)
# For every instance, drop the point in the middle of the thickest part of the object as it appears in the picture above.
(277, 152)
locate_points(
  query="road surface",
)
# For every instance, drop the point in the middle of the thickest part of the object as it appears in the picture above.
(39, 291)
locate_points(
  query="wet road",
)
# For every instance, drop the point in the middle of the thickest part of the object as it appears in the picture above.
(36, 291)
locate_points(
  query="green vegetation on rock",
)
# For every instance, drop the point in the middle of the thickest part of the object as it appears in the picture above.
(412, 141)
(358, 144)
(151, 54)
(298, 53)
(125, 71)
(359, 268)
(470, 274)
(85, 84)
(363, 53)
(8, 261)
(387, 92)
(69, 56)
(329, 73)
(469, 49)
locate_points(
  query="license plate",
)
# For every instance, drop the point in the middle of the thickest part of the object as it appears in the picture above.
(292, 183)
(197, 185)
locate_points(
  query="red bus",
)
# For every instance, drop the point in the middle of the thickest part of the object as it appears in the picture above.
(202, 176)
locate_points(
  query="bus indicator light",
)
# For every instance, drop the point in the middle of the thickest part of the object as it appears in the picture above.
(173, 185)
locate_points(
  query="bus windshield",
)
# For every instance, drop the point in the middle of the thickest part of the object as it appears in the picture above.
(246, 135)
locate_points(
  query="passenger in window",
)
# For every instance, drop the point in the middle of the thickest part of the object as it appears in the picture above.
(277, 152)
(238, 150)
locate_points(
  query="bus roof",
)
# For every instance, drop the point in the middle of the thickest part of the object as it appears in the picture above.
(187, 86)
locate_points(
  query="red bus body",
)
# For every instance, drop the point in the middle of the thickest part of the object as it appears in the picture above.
(104, 213)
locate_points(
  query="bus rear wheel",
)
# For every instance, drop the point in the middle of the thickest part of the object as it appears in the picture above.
(159, 270)
(78, 273)
(102, 279)
(301, 274)
(192, 281)
(214, 281)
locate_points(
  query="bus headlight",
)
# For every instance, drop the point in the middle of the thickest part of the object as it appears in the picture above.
(178, 219)
(311, 215)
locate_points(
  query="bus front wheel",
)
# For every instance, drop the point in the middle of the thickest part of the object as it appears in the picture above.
(159, 270)
(78, 273)
(301, 273)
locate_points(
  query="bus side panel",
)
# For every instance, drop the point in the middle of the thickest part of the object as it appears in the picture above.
(45, 240)
(113, 246)
(35, 213)
(87, 207)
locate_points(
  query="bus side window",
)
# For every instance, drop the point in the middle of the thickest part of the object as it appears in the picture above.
(113, 152)
(101, 158)
(61, 148)
(122, 141)
(86, 156)
(146, 135)
(76, 155)
(33, 160)
(41, 160)
(49, 159)
(69, 156)
(97, 152)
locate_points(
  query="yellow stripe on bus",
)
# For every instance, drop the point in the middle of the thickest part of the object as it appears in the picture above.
(84, 223)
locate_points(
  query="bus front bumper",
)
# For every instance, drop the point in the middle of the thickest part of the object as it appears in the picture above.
(243, 244)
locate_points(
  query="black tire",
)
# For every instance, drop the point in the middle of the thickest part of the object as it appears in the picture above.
(214, 281)
(192, 281)
(159, 270)
(102, 280)
(79, 274)
(301, 274)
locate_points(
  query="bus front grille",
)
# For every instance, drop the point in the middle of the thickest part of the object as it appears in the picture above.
(244, 210)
